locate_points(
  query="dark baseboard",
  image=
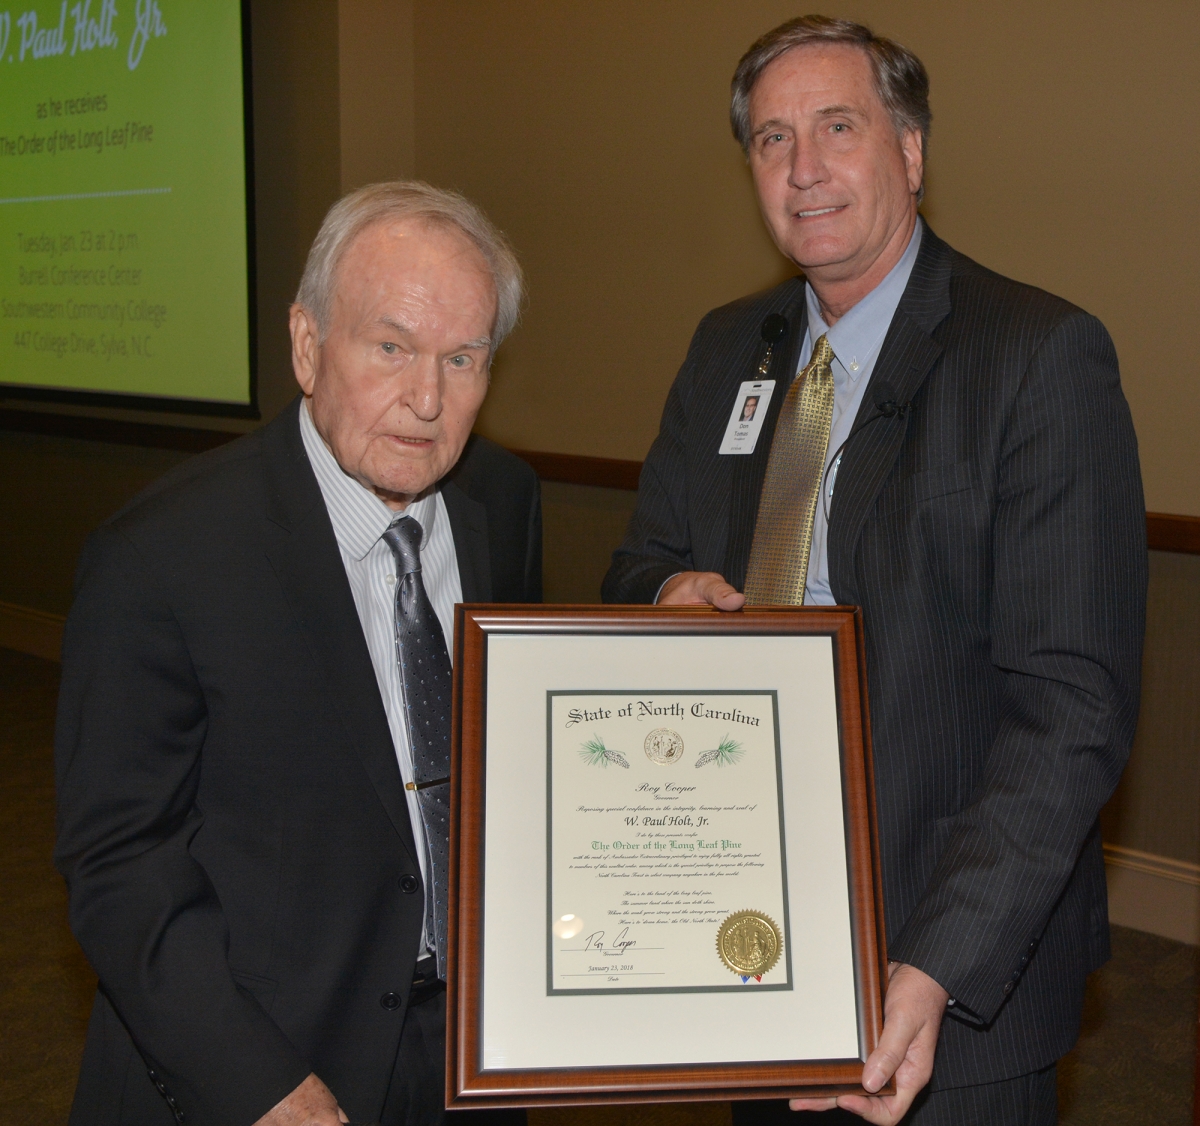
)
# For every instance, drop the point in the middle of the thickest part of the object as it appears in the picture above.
(1164, 531)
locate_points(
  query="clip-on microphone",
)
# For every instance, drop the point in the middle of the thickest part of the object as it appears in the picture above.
(773, 330)
(884, 398)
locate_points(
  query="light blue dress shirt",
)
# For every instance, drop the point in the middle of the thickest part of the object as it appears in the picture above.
(856, 340)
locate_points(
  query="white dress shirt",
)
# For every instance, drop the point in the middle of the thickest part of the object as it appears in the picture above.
(359, 520)
(856, 340)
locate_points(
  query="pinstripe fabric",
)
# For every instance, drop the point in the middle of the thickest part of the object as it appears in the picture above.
(995, 540)
(856, 339)
(1027, 1100)
(359, 520)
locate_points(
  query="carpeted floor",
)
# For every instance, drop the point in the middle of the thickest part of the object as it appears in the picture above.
(1133, 1064)
(45, 984)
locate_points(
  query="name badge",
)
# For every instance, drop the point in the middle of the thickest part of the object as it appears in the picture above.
(746, 418)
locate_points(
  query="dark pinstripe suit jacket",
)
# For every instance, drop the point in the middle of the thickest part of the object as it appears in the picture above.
(995, 539)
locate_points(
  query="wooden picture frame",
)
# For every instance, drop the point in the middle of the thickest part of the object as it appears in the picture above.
(548, 1046)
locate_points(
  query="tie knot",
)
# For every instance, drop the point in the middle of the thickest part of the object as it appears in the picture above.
(822, 353)
(404, 538)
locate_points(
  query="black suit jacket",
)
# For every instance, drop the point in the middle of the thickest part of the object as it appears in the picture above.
(994, 537)
(232, 823)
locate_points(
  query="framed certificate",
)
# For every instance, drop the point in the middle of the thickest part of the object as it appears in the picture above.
(663, 849)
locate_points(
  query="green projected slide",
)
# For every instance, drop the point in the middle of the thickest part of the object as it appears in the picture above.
(123, 261)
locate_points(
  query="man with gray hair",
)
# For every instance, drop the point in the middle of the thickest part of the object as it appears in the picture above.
(950, 451)
(254, 722)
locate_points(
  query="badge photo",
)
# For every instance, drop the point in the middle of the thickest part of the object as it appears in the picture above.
(746, 418)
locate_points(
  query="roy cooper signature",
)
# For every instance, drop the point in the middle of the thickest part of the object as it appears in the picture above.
(595, 941)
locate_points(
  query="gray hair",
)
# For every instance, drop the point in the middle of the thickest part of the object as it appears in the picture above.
(900, 77)
(408, 199)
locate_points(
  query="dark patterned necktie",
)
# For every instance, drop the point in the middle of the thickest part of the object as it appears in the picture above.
(425, 681)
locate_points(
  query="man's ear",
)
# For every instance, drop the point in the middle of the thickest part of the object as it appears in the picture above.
(914, 159)
(306, 347)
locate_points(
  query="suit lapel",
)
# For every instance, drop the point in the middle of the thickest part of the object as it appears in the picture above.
(748, 471)
(908, 354)
(468, 522)
(303, 551)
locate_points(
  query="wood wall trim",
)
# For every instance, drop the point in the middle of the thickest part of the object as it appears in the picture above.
(1165, 531)
(574, 469)
(27, 630)
(188, 439)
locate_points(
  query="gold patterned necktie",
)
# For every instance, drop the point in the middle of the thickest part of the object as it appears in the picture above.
(783, 531)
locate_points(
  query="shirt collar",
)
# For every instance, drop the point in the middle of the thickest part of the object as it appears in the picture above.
(358, 516)
(860, 332)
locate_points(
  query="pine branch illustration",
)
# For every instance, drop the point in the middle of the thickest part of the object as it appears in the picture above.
(729, 751)
(726, 753)
(595, 753)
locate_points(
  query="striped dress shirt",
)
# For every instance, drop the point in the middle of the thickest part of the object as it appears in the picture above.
(359, 520)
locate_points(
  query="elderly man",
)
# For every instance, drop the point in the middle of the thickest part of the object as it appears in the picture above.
(951, 451)
(254, 726)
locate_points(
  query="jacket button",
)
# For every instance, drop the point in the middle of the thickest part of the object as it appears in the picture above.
(408, 883)
(390, 1000)
(1008, 988)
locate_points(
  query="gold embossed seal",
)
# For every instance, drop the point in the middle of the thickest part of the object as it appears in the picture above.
(749, 943)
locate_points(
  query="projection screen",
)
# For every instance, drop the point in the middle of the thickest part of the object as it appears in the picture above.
(124, 204)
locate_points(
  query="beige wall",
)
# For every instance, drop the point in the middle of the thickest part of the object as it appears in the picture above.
(633, 214)
(1156, 808)
(1065, 153)
(375, 91)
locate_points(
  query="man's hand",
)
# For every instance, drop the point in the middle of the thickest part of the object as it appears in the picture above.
(700, 588)
(912, 1017)
(310, 1104)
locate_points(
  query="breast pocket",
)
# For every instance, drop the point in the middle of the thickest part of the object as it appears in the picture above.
(935, 482)
(932, 530)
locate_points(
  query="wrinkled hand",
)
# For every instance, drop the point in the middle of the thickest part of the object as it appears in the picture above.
(912, 1018)
(310, 1104)
(700, 588)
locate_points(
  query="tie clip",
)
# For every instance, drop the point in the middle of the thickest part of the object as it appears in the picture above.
(425, 785)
